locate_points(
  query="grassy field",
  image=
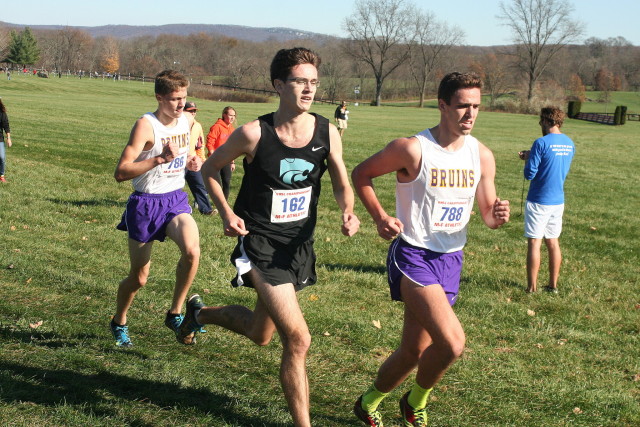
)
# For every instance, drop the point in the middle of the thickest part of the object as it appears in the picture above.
(630, 99)
(531, 360)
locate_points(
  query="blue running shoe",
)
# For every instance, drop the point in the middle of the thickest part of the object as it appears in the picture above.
(173, 321)
(121, 334)
(186, 333)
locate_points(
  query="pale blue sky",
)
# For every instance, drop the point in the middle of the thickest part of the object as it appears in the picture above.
(476, 17)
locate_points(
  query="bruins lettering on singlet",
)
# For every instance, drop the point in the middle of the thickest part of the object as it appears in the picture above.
(182, 140)
(452, 178)
(294, 170)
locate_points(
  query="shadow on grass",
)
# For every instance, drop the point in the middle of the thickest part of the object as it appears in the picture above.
(491, 283)
(9, 332)
(100, 202)
(94, 394)
(378, 269)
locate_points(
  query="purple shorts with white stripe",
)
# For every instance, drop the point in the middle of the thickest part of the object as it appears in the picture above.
(423, 267)
(147, 215)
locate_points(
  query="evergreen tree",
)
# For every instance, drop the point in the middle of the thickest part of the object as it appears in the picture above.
(23, 48)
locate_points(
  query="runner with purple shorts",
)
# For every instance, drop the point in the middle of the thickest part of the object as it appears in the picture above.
(425, 267)
(154, 160)
(439, 174)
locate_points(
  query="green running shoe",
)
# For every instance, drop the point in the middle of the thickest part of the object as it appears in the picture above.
(186, 333)
(121, 334)
(373, 419)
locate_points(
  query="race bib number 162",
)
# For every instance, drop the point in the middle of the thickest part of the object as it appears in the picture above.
(290, 205)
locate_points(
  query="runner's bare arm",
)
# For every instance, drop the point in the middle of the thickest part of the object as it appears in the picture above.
(243, 141)
(342, 190)
(401, 156)
(141, 138)
(494, 211)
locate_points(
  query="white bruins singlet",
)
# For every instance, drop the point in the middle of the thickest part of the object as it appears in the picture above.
(436, 206)
(169, 176)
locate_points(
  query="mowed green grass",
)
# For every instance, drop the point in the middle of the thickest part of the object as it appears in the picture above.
(629, 99)
(531, 360)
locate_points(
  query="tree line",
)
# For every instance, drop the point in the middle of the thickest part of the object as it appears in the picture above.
(392, 50)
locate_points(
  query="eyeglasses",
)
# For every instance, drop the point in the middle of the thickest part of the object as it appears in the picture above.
(304, 82)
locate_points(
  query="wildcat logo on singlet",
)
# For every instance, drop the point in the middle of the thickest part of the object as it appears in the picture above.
(452, 178)
(294, 170)
(292, 205)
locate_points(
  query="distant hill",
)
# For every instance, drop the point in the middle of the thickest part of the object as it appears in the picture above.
(240, 32)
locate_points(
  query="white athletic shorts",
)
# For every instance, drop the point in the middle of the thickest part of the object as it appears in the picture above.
(542, 221)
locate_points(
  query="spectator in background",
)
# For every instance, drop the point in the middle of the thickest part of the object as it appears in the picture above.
(4, 128)
(341, 116)
(547, 166)
(194, 178)
(218, 134)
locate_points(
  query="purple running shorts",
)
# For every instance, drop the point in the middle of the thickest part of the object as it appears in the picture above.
(423, 267)
(147, 215)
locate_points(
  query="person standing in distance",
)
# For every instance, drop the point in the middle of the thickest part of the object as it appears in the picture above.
(439, 172)
(341, 117)
(154, 160)
(217, 136)
(274, 217)
(547, 166)
(4, 130)
(194, 178)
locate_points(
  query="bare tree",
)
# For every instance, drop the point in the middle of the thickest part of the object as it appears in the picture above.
(334, 74)
(109, 54)
(137, 57)
(360, 71)
(380, 35)
(433, 40)
(238, 63)
(493, 71)
(615, 54)
(67, 49)
(4, 42)
(541, 28)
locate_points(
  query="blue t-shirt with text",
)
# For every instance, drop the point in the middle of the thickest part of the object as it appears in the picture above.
(547, 168)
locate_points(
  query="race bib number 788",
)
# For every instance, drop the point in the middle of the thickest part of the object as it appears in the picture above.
(450, 214)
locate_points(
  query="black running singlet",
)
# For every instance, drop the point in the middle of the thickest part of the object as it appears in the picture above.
(279, 194)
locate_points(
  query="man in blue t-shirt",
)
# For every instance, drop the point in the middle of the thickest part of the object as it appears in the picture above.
(547, 166)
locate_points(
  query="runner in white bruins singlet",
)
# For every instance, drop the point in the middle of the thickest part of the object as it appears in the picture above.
(439, 172)
(285, 155)
(154, 160)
